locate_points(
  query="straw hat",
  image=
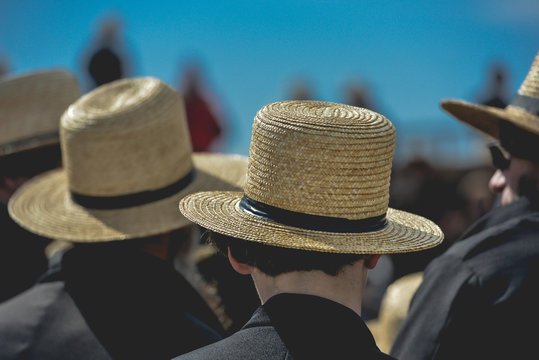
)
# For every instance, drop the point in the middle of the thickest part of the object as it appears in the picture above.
(31, 106)
(318, 179)
(522, 112)
(127, 162)
(393, 310)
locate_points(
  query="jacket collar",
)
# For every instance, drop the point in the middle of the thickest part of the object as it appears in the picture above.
(314, 327)
(518, 208)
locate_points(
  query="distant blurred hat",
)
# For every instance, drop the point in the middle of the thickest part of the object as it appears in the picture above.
(318, 179)
(127, 163)
(393, 310)
(31, 106)
(523, 111)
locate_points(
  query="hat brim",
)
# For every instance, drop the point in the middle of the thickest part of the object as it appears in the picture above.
(487, 118)
(44, 205)
(28, 145)
(219, 211)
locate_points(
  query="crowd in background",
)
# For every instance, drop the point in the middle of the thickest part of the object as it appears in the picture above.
(452, 196)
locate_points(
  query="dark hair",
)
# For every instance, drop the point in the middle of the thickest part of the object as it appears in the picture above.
(31, 162)
(177, 239)
(527, 187)
(274, 260)
(519, 142)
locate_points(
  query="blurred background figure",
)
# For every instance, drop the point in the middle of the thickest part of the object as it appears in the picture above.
(420, 187)
(204, 120)
(107, 58)
(301, 89)
(453, 196)
(496, 92)
(393, 310)
(360, 95)
(472, 188)
(30, 109)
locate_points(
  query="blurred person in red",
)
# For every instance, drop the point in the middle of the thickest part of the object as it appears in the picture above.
(202, 117)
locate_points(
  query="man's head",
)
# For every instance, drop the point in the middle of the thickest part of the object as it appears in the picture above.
(521, 178)
(30, 109)
(516, 158)
(317, 188)
(127, 163)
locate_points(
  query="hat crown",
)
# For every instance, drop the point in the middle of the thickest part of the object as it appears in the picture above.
(32, 104)
(530, 86)
(321, 158)
(125, 137)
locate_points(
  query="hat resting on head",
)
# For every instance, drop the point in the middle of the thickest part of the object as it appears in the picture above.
(31, 106)
(522, 112)
(318, 179)
(127, 162)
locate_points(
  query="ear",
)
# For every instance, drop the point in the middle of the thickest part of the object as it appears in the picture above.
(371, 261)
(241, 268)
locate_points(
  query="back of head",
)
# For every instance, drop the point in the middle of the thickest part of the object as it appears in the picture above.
(317, 181)
(275, 260)
(517, 128)
(127, 162)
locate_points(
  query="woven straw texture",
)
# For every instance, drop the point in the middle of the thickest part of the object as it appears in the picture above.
(126, 137)
(393, 310)
(486, 118)
(321, 159)
(31, 106)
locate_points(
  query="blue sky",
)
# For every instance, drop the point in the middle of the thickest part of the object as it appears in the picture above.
(410, 53)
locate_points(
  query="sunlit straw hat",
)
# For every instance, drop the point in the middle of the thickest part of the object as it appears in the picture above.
(393, 310)
(127, 162)
(522, 112)
(31, 106)
(317, 179)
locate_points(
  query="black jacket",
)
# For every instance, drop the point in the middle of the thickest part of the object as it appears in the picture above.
(100, 304)
(294, 326)
(22, 257)
(479, 300)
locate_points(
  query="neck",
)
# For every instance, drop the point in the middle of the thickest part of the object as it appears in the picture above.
(345, 288)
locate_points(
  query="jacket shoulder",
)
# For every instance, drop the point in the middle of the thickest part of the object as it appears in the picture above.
(43, 322)
(261, 343)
